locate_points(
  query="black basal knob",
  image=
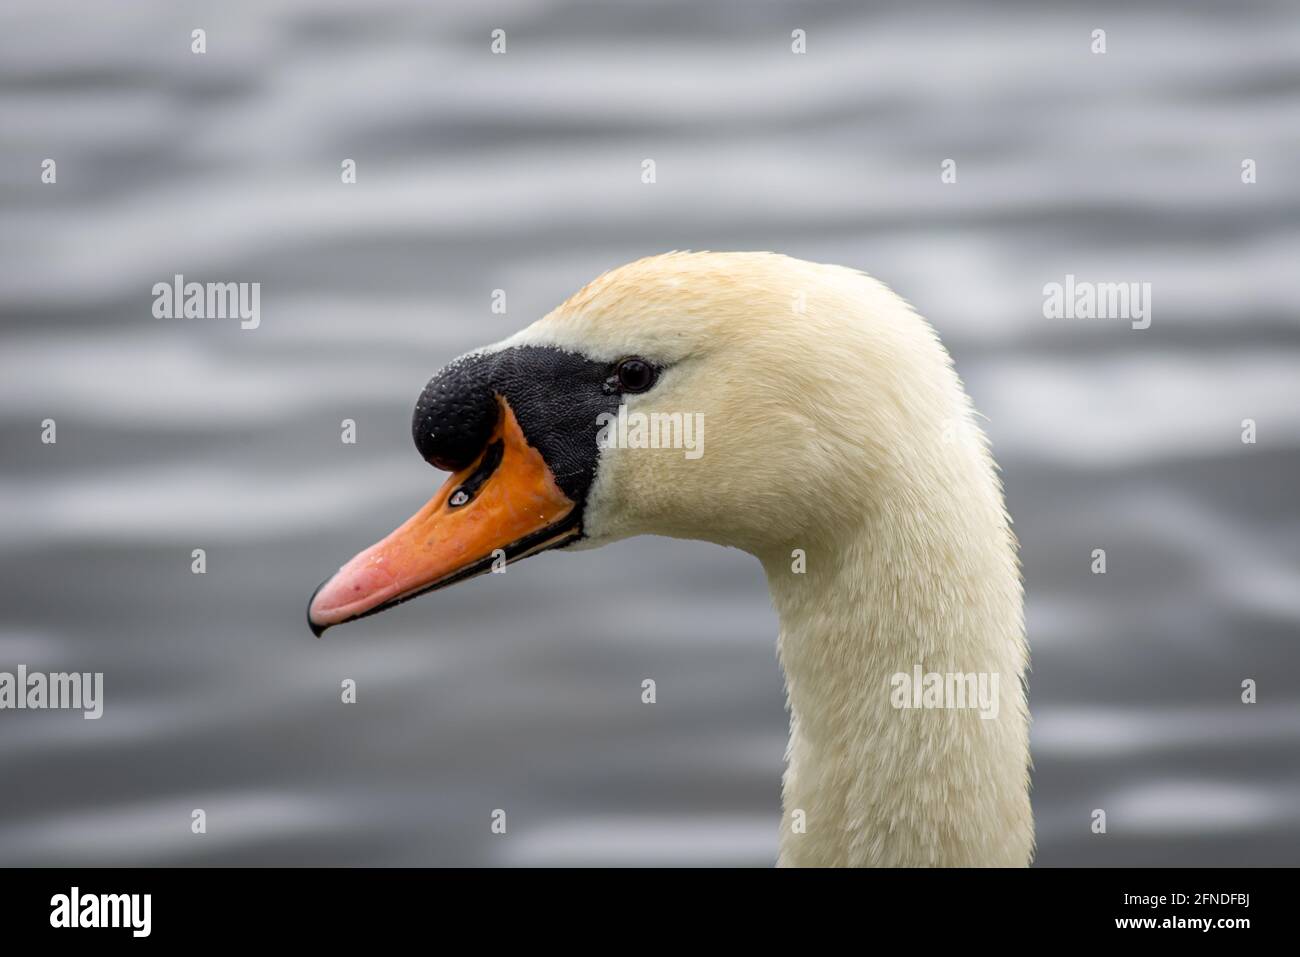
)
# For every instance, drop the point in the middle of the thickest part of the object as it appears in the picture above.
(454, 416)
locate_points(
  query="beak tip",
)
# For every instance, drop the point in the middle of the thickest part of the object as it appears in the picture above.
(316, 627)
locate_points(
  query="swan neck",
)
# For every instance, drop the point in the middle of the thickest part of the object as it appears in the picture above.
(880, 772)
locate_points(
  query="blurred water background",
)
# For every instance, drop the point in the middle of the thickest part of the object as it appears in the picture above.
(522, 172)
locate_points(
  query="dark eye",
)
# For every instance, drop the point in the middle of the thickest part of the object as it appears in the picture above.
(634, 374)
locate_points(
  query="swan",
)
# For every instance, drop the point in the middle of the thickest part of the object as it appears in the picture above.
(842, 452)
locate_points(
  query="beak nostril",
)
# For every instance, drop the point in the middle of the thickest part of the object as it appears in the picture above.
(486, 467)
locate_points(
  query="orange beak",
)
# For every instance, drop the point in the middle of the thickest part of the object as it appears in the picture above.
(503, 507)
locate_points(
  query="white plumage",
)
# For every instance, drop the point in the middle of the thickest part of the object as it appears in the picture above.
(836, 426)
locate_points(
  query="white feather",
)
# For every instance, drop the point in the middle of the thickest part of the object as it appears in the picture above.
(835, 424)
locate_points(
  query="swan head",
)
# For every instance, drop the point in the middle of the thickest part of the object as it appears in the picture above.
(747, 399)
